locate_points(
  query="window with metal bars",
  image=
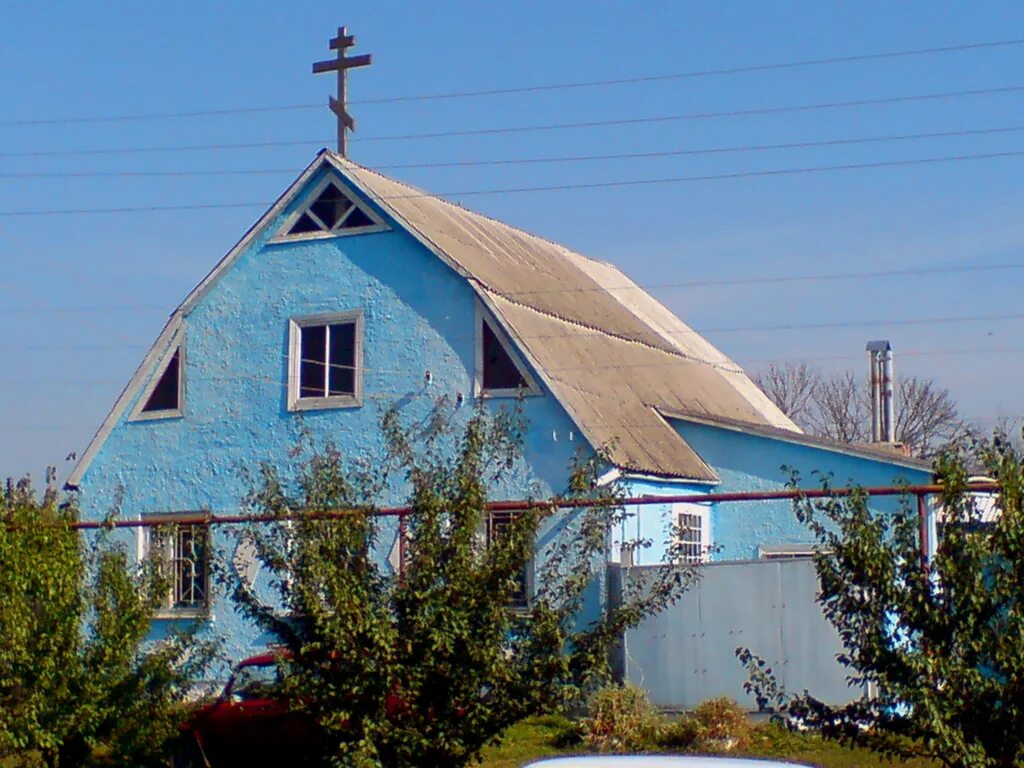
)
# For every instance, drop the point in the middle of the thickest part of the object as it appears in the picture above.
(181, 554)
(497, 523)
(692, 535)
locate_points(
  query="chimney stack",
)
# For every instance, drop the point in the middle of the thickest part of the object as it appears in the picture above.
(883, 401)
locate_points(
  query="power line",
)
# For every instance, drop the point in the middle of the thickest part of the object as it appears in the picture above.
(725, 71)
(547, 188)
(698, 115)
(939, 320)
(859, 324)
(536, 160)
(551, 126)
(820, 277)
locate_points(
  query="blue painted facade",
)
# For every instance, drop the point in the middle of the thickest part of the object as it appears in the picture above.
(419, 316)
(754, 463)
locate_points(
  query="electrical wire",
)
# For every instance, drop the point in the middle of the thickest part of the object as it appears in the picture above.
(903, 99)
(774, 279)
(547, 188)
(696, 115)
(550, 160)
(584, 332)
(723, 71)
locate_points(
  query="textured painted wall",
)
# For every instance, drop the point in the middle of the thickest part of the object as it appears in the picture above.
(418, 317)
(749, 463)
(653, 523)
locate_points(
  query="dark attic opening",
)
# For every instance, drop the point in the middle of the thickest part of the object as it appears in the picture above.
(331, 212)
(499, 369)
(166, 394)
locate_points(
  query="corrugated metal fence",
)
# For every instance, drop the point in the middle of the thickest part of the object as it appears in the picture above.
(687, 653)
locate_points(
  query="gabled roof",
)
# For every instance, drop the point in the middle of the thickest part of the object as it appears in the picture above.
(609, 352)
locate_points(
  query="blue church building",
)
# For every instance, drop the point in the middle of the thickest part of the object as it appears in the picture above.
(355, 293)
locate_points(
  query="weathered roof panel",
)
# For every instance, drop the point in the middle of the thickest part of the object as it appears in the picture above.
(608, 351)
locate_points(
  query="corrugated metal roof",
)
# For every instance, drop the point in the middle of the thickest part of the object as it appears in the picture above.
(610, 353)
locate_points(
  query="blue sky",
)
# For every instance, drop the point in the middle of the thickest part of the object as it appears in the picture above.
(82, 296)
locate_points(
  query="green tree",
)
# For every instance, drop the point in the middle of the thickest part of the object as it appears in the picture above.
(426, 668)
(77, 683)
(941, 646)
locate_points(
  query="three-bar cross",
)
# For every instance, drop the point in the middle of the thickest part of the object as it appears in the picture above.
(342, 65)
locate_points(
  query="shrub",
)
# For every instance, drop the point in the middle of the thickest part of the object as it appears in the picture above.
(619, 718)
(721, 725)
(716, 725)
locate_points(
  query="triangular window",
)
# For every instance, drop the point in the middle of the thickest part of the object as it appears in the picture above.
(332, 211)
(163, 397)
(500, 371)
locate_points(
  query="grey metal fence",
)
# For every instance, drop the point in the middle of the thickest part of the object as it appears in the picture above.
(687, 653)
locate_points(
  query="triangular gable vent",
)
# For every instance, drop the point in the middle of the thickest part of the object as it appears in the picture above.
(164, 396)
(333, 211)
(500, 371)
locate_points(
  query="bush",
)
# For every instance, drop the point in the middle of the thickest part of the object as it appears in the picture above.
(716, 725)
(620, 718)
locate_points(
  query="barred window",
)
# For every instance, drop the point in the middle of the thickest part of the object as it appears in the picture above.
(181, 553)
(693, 534)
(497, 522)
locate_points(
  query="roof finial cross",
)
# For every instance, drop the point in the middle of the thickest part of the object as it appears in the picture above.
(342, 65)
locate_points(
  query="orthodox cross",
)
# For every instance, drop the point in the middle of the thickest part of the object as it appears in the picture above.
(342, 65)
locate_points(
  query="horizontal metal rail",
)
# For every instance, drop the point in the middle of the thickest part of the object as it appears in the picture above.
(212, 518)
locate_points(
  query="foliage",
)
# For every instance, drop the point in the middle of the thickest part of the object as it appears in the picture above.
(620, 718)
(540, 737)
(837, 406)
(941, 645)
(721, 724)
(443, 640)
(74, 674)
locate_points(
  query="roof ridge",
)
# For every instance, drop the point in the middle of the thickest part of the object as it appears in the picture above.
(604, 331)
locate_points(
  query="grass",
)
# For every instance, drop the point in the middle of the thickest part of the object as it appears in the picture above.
(544, 737)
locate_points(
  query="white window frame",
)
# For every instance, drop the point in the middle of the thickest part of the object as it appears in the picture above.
(787, 551)
(295, 326)
(169, 607)
(137, 414)
(703, 513)
(282, 236)
(530, 390)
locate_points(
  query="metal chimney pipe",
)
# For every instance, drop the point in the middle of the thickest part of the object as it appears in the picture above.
(880, 368)
(888, 398)
(876, 409)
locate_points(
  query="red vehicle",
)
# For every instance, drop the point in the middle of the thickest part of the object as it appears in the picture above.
(247, 725)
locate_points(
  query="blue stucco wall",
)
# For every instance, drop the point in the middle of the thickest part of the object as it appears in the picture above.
(418, 316)
(652, 524)
(746, 462)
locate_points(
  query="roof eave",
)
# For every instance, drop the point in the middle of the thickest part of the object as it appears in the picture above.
(800, 438)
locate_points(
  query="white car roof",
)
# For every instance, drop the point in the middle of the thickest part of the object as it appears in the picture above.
(656, 761)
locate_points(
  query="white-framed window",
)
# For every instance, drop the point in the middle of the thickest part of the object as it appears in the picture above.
(181, 553)
(693, 532)
(497, 521)
(325, 361)
(500, 371)
(332, 210)
(164, 396)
